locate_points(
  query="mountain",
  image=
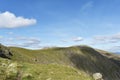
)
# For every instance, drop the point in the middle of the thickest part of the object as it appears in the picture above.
(59, 63)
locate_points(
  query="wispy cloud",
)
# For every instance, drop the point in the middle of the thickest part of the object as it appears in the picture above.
(77, 39)
(1, 37)
(9, 20)
(31, 43)
(115, 38)
(114, 49)
(10, 39)
(10, 33)
(87, 6)
(64, 41)
(27, 42)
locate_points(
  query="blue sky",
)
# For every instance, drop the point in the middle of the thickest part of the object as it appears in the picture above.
(45, 23)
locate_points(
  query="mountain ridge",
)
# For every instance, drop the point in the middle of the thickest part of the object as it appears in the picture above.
(82, 58)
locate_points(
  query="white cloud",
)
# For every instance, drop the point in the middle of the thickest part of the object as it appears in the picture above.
(77, 39)
(10, 20)
(28, 41)
(31, 43)
(114, 49)
(10, 39)
(115, 38)
(64, 40)
(10, 33)
(21, 41)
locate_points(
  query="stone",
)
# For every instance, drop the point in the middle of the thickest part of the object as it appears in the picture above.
(97, 76)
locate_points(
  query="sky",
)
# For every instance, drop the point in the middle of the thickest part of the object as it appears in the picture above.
(37, 24)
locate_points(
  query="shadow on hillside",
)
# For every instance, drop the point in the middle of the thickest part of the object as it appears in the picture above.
(115, 61)
(92, 62)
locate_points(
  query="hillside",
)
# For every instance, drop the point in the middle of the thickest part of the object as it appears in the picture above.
(72, 63)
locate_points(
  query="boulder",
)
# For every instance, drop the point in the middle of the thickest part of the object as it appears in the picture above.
(97, 76)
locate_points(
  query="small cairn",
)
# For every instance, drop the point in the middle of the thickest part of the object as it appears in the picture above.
(98, 76)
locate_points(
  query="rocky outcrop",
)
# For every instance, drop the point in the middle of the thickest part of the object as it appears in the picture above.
(5, 52)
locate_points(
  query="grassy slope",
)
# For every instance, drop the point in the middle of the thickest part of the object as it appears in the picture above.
(85, 59)
(26, 71)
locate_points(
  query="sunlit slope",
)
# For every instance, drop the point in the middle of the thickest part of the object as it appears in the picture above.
(10, 70)
(83, 58)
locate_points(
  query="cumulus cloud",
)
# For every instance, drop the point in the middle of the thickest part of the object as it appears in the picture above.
(77, 39)
(10, 20)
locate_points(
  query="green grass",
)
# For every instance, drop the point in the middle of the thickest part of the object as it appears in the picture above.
(26, 71)
(72, 63)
